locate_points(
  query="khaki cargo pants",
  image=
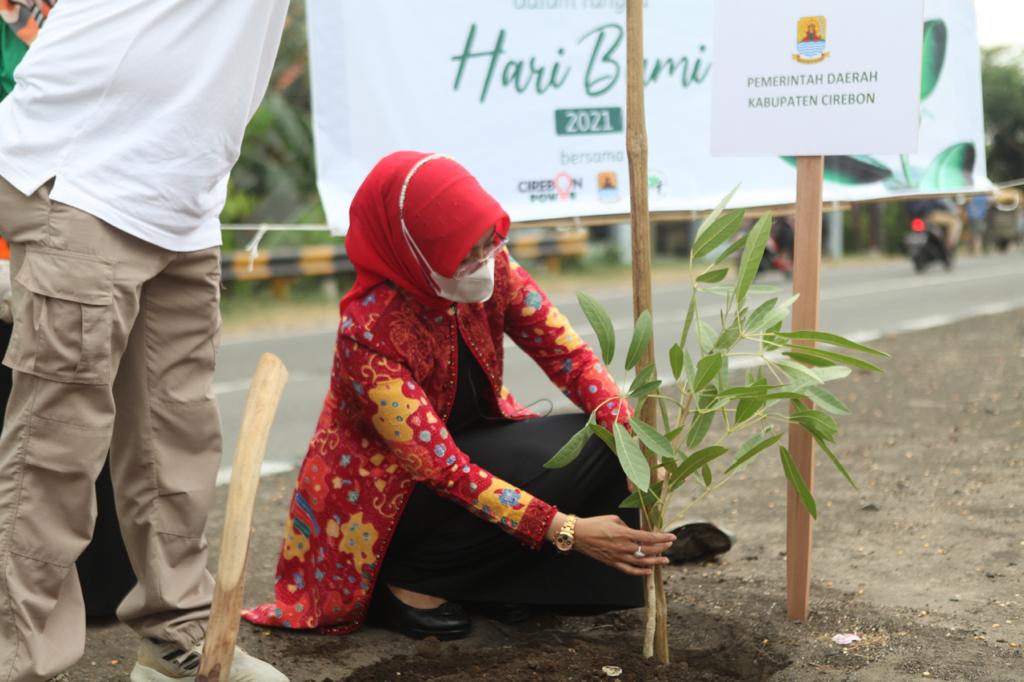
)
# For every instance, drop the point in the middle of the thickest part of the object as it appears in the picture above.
(114, 344)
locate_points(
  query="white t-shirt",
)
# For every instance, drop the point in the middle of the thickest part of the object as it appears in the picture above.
(137, 109)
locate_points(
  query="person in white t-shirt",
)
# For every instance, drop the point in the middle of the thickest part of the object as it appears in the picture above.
(115, 149)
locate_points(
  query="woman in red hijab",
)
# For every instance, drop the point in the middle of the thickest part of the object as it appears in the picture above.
(423, 491)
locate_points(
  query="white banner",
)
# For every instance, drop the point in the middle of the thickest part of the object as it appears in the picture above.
(529, 95)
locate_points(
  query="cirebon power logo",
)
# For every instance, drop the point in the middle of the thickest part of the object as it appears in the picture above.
(562, 187)
(810, 40)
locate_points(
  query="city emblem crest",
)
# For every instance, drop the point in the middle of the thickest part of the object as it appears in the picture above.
(810, 40)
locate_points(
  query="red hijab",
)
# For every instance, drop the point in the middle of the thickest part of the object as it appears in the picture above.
(446, 212)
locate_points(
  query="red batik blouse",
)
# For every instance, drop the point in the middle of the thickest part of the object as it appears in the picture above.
(382, 429)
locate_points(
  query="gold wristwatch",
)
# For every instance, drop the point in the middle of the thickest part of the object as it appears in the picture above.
(566, 537)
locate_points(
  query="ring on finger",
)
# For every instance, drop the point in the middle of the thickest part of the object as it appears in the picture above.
(639, 553)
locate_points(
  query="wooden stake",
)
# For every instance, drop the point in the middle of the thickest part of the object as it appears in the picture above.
(806, 282)
(260, 405)
(656, 639)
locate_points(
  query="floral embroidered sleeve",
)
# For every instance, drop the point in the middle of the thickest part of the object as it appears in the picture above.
(544, 333)
(404, 418)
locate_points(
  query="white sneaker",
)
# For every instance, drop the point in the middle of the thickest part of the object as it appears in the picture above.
(165, 662)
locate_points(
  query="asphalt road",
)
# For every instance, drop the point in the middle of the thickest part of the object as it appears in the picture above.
(861, 302)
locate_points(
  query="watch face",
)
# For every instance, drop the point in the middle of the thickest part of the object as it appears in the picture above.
(563, 542)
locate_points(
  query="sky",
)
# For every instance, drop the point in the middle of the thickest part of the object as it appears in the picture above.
(1000, 22)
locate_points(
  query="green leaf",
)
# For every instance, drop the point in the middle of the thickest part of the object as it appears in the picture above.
(751, 448)
(642, 377)
(717, 234)
(604, 434)
(798, 372)
(832, 357)
(699, 428)
(760, 321)
(810, 359)
(747, 408)
(825, 400)
(644, 390)
(705, 472)
(696, 461)
(819, 424)
(832, 340)
(643, 330)
(675, 359)
(653, 439)
(600, 323)
(691, 312)
(835, 462)
(712, 276)
(760, 312)
(670, 436)
(632, 459)
(774, 397)
(713, 216)
(793, 474)
(934, 57)
(731, 249)
(953, 168)
(729, 336)
(666, 422)
(826, 374)
(571, 450)
(756, 241)
(707, 369)
(707, 336)
(718, 289)
(723, 373)
(755, 390)
(689, 370)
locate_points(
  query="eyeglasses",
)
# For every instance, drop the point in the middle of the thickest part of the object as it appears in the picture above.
(473, 261)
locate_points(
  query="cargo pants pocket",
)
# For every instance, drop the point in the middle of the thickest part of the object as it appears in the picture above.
(63, 317)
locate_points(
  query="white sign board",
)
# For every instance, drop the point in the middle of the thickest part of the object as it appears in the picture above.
(816, 77)
(530, 96)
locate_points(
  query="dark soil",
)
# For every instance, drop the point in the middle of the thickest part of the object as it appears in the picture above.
(925, 561)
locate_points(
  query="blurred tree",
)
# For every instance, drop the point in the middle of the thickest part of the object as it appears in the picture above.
(1002, 76)
(275, 178)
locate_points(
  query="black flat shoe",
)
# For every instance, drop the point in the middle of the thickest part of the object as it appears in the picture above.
(446, 622)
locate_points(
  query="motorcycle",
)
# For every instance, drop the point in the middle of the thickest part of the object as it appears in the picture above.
(926, 243)
(778, 251)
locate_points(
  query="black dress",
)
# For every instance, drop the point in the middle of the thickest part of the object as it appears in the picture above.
(441, 549)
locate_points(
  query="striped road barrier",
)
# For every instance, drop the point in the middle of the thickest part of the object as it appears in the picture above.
(326, 260)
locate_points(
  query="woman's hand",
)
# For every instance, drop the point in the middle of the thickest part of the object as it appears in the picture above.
(609, 540)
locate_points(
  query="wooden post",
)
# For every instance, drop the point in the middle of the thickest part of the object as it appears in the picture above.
(656, 633)
(806, 281)
(260, 405)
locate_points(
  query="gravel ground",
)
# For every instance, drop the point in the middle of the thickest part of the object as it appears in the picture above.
(925, 561)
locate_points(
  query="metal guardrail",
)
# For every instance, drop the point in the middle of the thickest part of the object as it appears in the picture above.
(285, 263)
(331, 259)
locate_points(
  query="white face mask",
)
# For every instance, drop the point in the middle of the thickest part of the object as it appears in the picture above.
(476, 287)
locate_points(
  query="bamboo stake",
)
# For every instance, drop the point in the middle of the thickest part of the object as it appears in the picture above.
(806, 282)
(656, 631)
(260, 405)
